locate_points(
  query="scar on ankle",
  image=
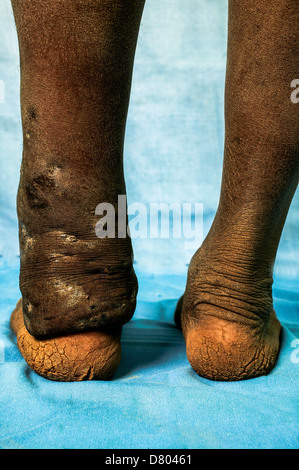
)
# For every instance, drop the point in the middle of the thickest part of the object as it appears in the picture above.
(37, 188)
(69, 238)
(26, 239)
(28, 307)
(54, 168)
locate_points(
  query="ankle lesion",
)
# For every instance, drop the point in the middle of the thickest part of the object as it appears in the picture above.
(71, 284)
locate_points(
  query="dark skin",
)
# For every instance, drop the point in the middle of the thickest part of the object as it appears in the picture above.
(227, 315)
(76, 66)
(75, 86)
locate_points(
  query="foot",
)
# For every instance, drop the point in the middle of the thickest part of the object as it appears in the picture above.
(78, 288)
(226, 314)
(92, 355)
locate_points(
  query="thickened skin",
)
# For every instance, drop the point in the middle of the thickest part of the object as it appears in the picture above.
(92, 355)
(226, 313)
(76, 59)
(76, 65)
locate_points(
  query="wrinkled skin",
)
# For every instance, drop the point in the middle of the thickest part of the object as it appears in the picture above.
(76, 62)
(76, 66)
(226, 314)
(75, 85)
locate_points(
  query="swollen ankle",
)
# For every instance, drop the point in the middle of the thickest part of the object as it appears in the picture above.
(71, 284)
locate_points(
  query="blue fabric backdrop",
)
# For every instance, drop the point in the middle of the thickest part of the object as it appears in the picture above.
(173, 153)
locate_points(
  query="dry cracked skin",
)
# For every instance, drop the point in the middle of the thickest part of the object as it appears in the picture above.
(76, 61)
(78, 290)
(91, 355)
